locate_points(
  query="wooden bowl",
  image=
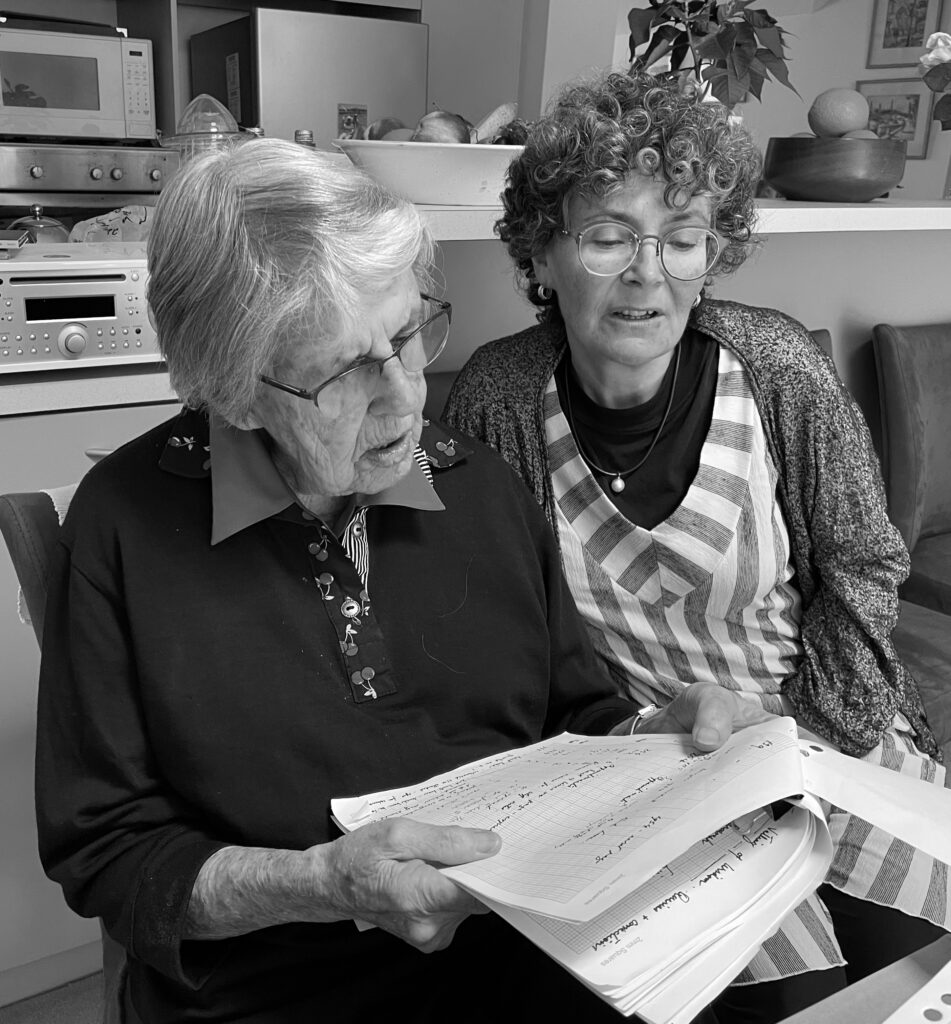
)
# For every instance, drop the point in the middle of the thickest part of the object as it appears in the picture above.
(834, 170)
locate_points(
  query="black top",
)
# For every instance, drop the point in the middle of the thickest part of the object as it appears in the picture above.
(194, 696)
(616, 439)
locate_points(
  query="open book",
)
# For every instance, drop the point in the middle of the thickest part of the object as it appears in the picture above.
(649, 870)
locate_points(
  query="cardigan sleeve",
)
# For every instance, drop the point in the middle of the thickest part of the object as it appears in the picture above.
(849, 561)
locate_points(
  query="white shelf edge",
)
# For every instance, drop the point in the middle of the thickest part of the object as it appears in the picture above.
(776, 216)
(781, 216)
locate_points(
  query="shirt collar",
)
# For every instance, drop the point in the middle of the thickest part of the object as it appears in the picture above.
(246, 487)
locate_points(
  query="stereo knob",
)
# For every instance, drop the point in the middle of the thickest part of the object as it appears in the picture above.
(72, 340)
(116, 174)
(36, 171)
(96, 173)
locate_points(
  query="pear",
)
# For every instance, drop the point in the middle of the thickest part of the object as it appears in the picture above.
(441, 126)
(383, 126)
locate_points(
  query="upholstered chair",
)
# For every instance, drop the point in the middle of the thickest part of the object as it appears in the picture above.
(914, 385)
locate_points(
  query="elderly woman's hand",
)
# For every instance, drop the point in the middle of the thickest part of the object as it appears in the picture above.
(384, 874)
(710, 713)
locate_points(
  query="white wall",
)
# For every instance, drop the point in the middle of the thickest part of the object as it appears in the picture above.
(474, 51)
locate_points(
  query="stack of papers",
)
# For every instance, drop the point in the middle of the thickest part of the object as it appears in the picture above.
(649, 870)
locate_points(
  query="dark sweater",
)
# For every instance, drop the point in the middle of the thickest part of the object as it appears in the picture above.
(194, 696)
(847, 556)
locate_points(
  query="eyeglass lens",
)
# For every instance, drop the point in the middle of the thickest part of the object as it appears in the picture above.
(685, 253)
(416, 352)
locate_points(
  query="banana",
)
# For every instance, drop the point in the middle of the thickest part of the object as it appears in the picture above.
(492, 123)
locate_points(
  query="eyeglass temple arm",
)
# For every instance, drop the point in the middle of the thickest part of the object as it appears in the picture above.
(289, 388)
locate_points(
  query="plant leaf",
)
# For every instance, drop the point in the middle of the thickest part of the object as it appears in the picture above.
(938, 78)
(777, 68)
(660, 43)
(679, 53)
(640, 23)
(770, 37)
(942, 112)
(718, 45)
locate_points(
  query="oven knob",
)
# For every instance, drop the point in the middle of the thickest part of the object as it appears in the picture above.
(155, 174)
(36, 171)
(96, 173)
(116, 174)
(72, 339)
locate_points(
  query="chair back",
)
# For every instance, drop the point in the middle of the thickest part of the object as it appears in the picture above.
(30, 525)
(914, 386)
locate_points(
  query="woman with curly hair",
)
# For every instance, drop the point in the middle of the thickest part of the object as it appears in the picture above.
(713, 487)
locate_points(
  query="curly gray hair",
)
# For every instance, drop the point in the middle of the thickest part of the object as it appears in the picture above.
(599, 131)
(253, 247)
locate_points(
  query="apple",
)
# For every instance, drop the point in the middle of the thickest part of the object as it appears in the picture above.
(383, 126)
(441, 126)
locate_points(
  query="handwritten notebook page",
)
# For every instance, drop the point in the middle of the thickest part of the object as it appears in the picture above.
(672, 944)
(584, 820)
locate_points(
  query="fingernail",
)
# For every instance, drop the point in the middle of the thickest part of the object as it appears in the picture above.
(707, 735)
(488, 842)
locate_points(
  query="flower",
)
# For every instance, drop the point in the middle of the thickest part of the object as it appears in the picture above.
(935, 66)
(733, 50)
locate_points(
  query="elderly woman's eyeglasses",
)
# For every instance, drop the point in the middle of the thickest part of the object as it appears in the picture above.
(415, 349)
(610, 248)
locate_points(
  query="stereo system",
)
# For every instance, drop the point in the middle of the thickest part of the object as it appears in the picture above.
(73, 305)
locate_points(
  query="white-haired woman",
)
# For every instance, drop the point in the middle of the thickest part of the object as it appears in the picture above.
(269, 602)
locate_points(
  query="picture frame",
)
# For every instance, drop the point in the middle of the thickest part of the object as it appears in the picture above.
(900, 108)
(900, 29)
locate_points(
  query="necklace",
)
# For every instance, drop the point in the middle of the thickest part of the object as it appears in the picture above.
(617, 484)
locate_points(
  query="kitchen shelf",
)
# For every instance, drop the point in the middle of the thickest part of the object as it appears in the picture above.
(777, 216)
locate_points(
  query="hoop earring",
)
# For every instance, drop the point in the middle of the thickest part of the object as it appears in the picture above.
(696, 301)
(544, 293)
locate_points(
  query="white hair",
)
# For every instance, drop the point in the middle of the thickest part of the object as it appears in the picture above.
(252, 246)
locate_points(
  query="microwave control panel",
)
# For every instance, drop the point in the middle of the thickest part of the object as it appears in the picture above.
(71, 306)
(137, 88)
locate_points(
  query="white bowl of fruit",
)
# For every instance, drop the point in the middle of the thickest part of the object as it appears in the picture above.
(444, 160)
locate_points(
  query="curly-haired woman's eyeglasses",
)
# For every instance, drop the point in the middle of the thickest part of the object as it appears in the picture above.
(609, 248)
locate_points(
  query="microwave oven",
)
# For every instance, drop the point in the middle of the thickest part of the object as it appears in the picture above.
(59, 85)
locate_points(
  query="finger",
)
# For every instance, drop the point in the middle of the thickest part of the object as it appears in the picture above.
(714, 711)
(438, 844)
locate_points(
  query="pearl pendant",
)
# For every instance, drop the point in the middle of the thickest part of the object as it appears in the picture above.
(617, 485)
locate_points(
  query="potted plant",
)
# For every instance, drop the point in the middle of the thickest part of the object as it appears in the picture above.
(727, 50)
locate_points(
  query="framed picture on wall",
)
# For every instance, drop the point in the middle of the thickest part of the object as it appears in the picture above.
(900, 108)
(899, 31)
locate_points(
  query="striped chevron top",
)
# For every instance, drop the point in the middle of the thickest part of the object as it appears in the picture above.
(706, 595)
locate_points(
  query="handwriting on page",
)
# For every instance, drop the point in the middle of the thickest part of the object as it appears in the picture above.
(571, 807)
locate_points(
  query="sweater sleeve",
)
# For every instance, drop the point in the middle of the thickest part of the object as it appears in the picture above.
(121, 845)
(850, 682)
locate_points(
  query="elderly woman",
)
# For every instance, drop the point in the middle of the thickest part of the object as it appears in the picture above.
(284, 595)
(713, 488)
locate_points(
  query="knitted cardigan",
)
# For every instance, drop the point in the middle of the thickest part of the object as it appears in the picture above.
(847, 556)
